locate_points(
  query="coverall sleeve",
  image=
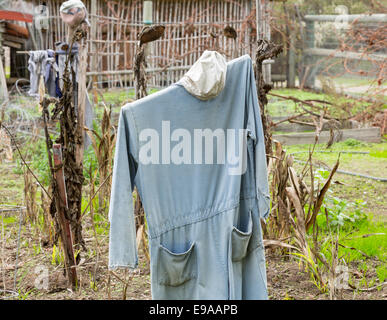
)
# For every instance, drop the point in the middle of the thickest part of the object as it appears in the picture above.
(256, 130)
(122, 237)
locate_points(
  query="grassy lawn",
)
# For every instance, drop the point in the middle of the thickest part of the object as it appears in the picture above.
(341, 106)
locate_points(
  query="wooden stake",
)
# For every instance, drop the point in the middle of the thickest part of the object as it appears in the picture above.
(67, 238)
(82, 54)
(3, 83)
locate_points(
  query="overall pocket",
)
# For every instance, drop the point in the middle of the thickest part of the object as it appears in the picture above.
(175, 269)
(240, 239)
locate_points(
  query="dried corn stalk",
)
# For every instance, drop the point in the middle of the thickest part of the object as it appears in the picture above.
(103, 145)
(30, 189)
(289, 224)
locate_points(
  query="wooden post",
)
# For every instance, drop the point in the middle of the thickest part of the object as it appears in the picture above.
(291, 74)
(82, 54)
(7, 60)
(309, 68)
(67, 238)
(267, 35)
(258, 18)
(94, 58)
(32, 36)
(263, 7)
(3, 83)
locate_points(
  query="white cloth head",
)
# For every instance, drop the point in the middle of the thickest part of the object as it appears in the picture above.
(73, 12)
(207, 76)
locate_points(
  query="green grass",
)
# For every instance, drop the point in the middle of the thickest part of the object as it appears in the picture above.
(374, 244)
(341, 107)
(118, 97)
(359, 241)
(357, 207)
(9, 220)
(373, 164)
(379, 153)
(280, 107)
(381, 272)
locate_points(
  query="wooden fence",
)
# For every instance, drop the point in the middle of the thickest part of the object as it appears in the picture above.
(192, 26)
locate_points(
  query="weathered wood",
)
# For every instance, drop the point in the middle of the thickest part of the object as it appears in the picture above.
(308, 59)
(349, 18)
(12, 44)
(148, 70)
(291, 74)
(115, 27)
(363, 134)
(7, 62)
(3, 83)
(32, 36)
(290, 127)
(67, 239)
(345, 54)
(16, 39)
(82, 66)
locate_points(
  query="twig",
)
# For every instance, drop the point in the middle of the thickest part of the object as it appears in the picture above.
(308, 103)
(273, 124)
(368, 289)
(352, 248)
(302, 122)
(24, 162)
(95, 193)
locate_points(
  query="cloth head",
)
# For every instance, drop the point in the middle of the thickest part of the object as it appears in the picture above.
(207, 76)
(73, 12)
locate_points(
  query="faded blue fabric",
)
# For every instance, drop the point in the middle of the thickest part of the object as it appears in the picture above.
(203, 223)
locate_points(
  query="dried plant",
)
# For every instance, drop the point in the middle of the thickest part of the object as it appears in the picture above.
(289, 222)
(30, 188)
(5, 146)
(48, 222)
(103, 145)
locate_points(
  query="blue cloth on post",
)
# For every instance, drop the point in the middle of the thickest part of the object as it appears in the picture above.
(203, 219)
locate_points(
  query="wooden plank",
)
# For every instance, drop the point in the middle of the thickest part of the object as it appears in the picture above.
(344, 54)
(364, 134)
(82, 54)
(12, 44)
(8, 37)
(350, 18)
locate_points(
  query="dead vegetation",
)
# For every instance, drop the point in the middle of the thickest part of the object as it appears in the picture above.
(103, 146)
